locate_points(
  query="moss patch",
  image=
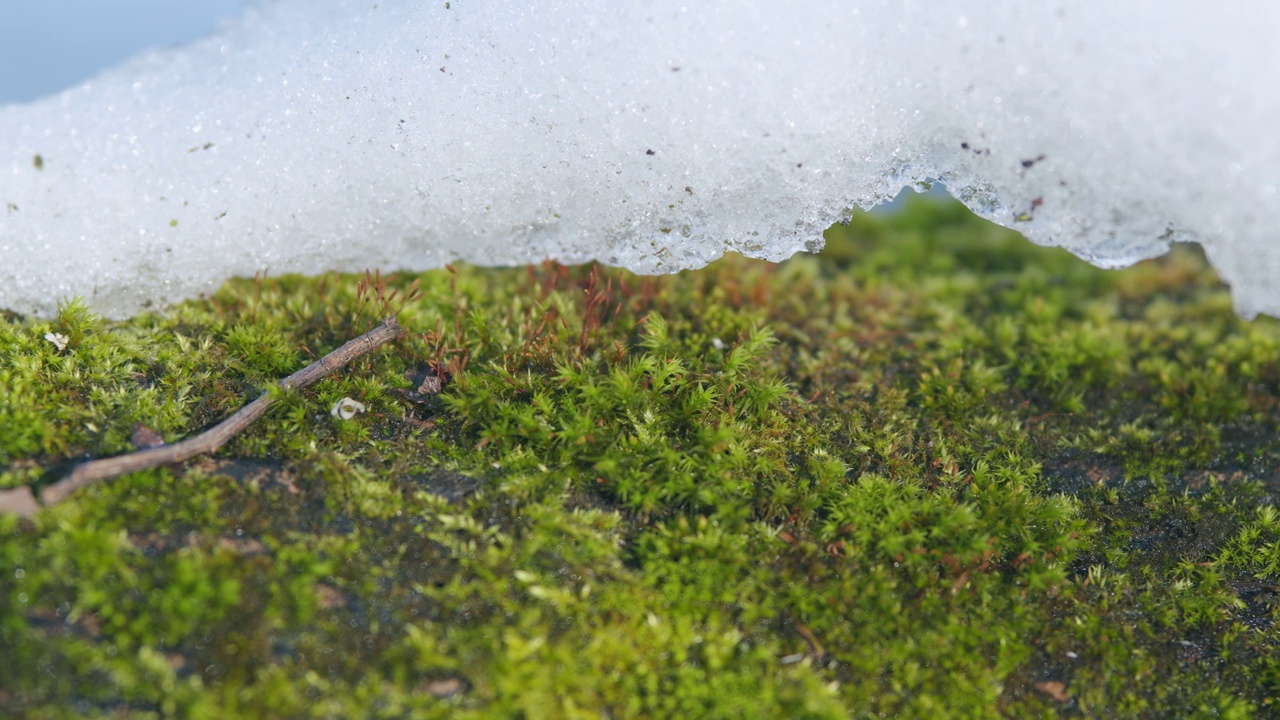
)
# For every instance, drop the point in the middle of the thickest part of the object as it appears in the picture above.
(933, 470)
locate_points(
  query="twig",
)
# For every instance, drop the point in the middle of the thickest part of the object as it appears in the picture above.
(90, 472)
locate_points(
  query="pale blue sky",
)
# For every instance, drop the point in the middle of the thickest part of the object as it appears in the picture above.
(50, 45)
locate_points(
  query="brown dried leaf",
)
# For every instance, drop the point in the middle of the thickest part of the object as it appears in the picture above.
(145, 438)
(242, 546)
(446, 688)
(330, 597)
(431, 385)
(1054, 689)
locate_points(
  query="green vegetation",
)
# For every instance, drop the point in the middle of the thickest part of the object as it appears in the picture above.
(933, 471)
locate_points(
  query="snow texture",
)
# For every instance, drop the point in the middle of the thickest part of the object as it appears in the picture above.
(322, 134)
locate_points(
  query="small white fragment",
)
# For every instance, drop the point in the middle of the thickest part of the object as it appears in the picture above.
(58, 339)
(717, 343)
(346, 408)
(1072, 655)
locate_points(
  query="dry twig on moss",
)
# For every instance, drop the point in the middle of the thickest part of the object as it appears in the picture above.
(21, 501)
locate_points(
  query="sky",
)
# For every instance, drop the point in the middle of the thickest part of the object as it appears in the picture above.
(50, 45)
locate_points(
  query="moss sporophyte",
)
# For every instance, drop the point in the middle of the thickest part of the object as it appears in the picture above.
(933, 470)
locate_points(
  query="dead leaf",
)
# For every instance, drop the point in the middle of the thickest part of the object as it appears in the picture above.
(145, 438)
(431, 385)
(428, 381)
(1054, 689)
(446, 688)
(242, 546)
(330, 597)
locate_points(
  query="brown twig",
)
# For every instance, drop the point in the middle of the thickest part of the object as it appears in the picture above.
(95, 470)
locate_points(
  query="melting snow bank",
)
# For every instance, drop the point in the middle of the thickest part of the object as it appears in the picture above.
(323, 134)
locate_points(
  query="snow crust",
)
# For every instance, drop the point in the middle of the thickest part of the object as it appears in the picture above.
(325, 134)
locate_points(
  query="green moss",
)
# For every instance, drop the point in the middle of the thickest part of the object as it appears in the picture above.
(933, 470)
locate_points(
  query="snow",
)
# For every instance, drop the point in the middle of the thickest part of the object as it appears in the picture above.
(323, 134)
